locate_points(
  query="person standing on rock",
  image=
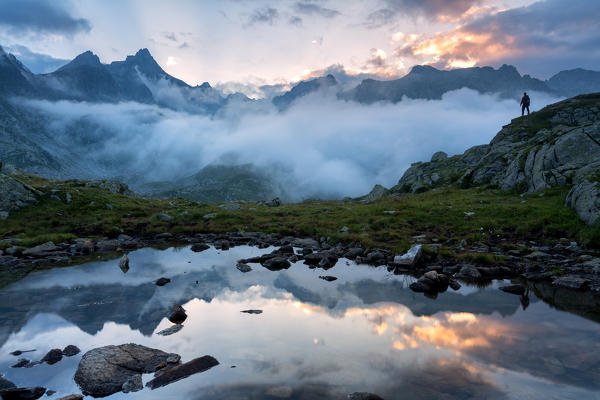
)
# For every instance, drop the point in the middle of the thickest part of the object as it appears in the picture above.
(525, 100)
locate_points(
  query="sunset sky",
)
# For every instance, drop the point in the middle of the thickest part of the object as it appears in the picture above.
(264, 42)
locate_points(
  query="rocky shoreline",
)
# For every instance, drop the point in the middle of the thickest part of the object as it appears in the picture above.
(565, 265)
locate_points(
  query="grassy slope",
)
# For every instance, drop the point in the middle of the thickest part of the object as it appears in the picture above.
(438, 213)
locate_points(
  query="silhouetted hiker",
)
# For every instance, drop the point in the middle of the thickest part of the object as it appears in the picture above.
(525, 299)
(525, 104)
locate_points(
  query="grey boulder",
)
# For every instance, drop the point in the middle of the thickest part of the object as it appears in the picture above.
(105, 370)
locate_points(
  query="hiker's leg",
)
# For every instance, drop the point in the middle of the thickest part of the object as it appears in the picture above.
(523, 110)
(527, 110)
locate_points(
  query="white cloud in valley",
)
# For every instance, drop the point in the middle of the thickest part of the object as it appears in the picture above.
(320, 147)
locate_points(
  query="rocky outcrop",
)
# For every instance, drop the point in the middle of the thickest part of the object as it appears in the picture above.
(557, 146)
(14, 195)
(585, 199)
(110, 369)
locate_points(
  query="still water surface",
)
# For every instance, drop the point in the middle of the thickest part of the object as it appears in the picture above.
(365, 331)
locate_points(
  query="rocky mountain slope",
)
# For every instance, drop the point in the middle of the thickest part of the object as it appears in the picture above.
(557, 146)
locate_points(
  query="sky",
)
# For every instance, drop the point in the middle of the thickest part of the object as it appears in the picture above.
(268, 41)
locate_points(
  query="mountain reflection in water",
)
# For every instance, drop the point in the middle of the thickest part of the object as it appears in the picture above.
(365, 331)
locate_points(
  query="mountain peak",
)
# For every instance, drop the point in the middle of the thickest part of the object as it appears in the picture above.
(205, 85)
(422, 69)
(143, 53)
(86, 58)
(509, 70)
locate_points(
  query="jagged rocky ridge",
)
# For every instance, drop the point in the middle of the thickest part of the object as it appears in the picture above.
(557, 146)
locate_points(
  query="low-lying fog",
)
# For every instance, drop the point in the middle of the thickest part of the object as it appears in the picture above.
(319, 147)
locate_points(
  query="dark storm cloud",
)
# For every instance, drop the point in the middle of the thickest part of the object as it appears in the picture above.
(551, 23)
(36, 62)
(436, 9)
(41, 17)
(315, 9)
(266, 15)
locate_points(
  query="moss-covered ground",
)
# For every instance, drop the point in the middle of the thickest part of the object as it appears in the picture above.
(439, 213)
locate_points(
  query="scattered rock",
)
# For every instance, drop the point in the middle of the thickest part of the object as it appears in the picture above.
(164, 217)
(72, 397)
(230, 207)
(199, 247)
(124, 263)
(104, 370)
(162, 281)
(411, 258)
(53, 356)
(468, 272)
(328, 278)
(178, 372)
(70, 351)
(177, 314)
(514, 289)
(243, 267)
(209, 216)
(353, 252)
(108, 206)
(344, 230)
(42, 250)
(22, 393)
(171, 330)
(252, 311)
(68, 198)
(273, 202)
(390, 212)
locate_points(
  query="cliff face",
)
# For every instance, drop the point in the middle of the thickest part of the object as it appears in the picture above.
(557, 146)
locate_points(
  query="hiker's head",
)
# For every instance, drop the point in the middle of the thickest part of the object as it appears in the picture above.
(525, 93)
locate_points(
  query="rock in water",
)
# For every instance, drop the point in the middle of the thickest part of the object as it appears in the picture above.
(124, 263)
(6, 384)
(328, 278)
(243, 267)
(104, 370)
(171, 330)
(276, 263)
(175, 373)
(411, 258)
(72, 397)
(162, 281)
(70, 351)
(177, 314)
(53, 356)
(197, 248)
(468, 272)
(252, 311)
(514, 289)
(22, 393)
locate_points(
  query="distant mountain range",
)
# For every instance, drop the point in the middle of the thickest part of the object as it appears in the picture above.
(28, 141)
